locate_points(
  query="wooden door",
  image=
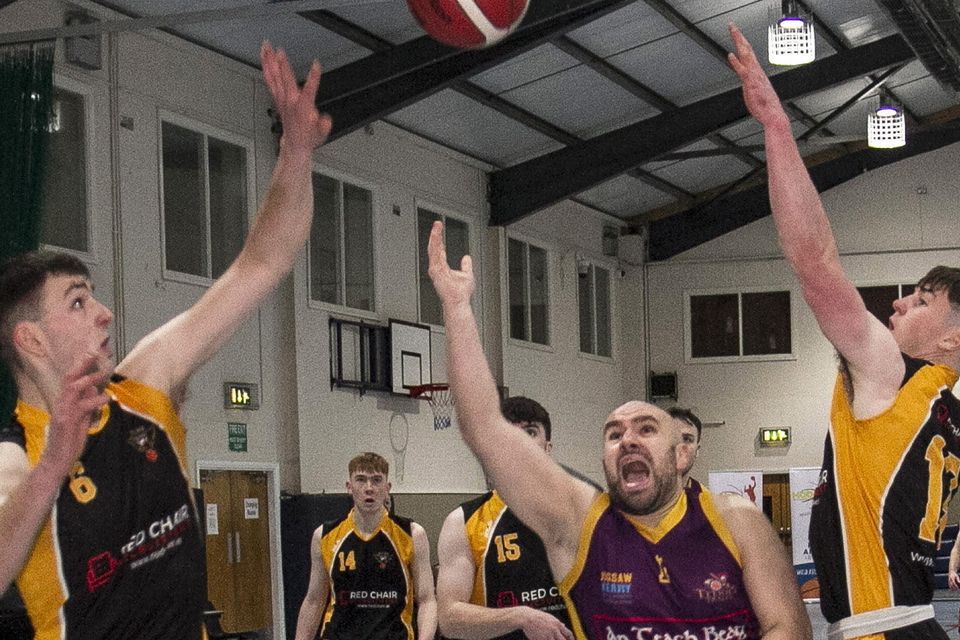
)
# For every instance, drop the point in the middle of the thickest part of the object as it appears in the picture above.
(776, 505)
(251, 551)
(238, 548)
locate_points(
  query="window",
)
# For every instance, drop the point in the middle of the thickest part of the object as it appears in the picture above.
(341, 244)
(879, 299)
(737, 325)
(457, 235)
(593, 285)
(529, 296)
(63, 212)
(205, 200)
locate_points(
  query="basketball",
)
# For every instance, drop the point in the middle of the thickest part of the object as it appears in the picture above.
(468, 24)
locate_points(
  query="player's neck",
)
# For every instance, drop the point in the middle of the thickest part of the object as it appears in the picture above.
(653, 519)
(367, 522)
(947, 358)
(33, 391)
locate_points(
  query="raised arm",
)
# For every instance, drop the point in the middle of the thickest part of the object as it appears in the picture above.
(315, 602)
(426, 599)
(808, 242)
(28, 495)
(459, 618)
(540, 492)
(168, 356)
(767, 573)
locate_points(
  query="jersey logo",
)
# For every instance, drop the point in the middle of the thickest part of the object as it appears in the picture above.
(382, 559)
(717, 589)
(142, 440)
(663, 576)
(100, 569)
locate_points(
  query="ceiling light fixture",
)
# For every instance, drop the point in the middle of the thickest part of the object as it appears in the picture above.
(790, 38)
(886, 125)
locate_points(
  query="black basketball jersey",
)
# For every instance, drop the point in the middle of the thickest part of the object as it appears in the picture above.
(371, 588)
(511, 562)
(881, 505)
(121, 555)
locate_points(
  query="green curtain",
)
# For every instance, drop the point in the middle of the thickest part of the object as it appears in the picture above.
(26, 88)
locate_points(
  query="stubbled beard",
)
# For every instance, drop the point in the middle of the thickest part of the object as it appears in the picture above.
(664, 490)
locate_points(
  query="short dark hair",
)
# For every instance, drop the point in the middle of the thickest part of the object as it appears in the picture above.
(519, 409)
(21, 278)
(687, 416)
(942, 278)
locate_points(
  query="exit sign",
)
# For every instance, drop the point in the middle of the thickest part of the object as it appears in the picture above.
(776, 437)
(241, 395)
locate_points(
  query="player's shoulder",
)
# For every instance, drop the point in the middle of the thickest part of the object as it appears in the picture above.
(474, 504)
(404, 524)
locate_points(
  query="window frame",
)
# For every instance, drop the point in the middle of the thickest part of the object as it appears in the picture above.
(72, 85)
(610, 268)
(688, 357)
(206, 130)
(505, 288)
(445, 212)
(871, 284)
(342, 309)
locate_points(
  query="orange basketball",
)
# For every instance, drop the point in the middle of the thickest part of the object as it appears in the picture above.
(468, 24)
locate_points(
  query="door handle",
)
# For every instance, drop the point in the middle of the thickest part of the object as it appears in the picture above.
(237, 546)
(229, 549)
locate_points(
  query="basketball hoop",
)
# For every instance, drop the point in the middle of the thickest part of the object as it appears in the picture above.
(441, 403)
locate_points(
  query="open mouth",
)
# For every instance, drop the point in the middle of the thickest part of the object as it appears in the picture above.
(635, 474)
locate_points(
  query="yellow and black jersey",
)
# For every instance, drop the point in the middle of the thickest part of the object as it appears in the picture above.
(371, 588)
(120, 555)
(881, 504)
(511, 562)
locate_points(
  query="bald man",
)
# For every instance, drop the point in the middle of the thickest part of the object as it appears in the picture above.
(647, 558)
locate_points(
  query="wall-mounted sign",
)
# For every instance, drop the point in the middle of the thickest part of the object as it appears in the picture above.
(775, 437)
(241, 395)
(236, 436)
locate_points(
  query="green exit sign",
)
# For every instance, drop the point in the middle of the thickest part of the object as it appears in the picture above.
(775, 437)
(241, 395)
(236, 436)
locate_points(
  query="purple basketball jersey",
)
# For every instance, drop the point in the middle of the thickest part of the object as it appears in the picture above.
(677, 581)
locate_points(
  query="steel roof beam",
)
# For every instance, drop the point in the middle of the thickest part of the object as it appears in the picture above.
(683, 231)
(529, 186)
(368, 89)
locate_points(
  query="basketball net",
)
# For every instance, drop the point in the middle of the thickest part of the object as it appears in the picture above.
(440, 399)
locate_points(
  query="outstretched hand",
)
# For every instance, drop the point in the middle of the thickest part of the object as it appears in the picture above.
(304, 127)
(74, 412)
(758, 94)
(453, 287)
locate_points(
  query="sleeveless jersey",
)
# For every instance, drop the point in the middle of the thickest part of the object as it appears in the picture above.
(511, 562)
(680, 579)
(881, 504)
(121, 554)
(371, 589)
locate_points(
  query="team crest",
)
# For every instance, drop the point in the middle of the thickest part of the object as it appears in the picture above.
(716, 588)
(382, 559)
(142, 439)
